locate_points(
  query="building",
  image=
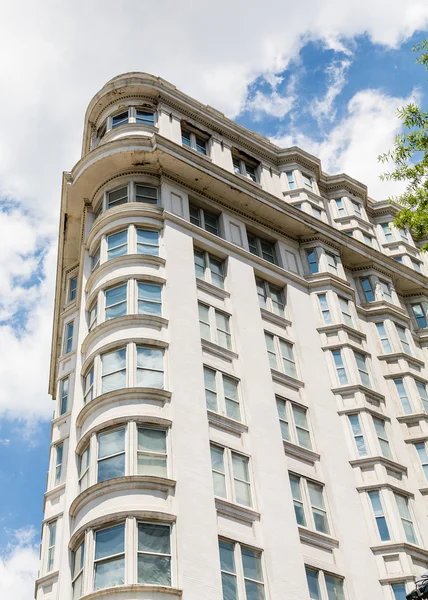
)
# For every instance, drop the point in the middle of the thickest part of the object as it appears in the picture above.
(238, 365)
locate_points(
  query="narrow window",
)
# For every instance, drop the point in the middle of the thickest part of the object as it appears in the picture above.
(72, 289)
(345, 307)
(399, 591)
(59, 448)
(88, 386)
(154, 554)
(218, 471)
(387, 231)
(406, 518)
(287, 355)
(340, 207)
(83, 469)
(322, 299)
(386, 290)
(383, 337)
(146, 194)
(111, 454)
(145, 117)
(301, 425)
(152, 454)
(312, 260)
(77, 571)
(363, 371)
(357, 208)
(419, 314)
(204, 321)
(253, 574)
(367, 289)
(117, 197)
(117, 244)
(147, 242)
(367, 239)
(231, 398)
(379, 515)
(68, 340)
(357, 433)
(403, 339)
(263, 248)
(223, 330)
(313, 584)
(296, 493)
(95, 259)
(149, 299)
(319, 512)
(290, 180)
(228, 571)
(401, 391)
(51, 545)
(380, 428)
(307, 181)
(340, 367)
(270, 345)
(150, 367)
(317, 212)
(109, 560)
(332, 262)
(421, 449)
(416, 265)
(210, 389)
(63, 395)
(422, 390)
(93, 315)
(113, 370)
(281, 406)
(241, 479)
(270, 297)
(334, 587)
(120, 119)
(116, 302)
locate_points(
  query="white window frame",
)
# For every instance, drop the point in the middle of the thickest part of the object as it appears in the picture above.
(340, 207)
(52, 526)
(405, 344)
(383, 337)
(257, 245)
(68, 345)
(321, 581)
(58, 463)
(379, 514)
(404, 398)
(324, 308)
(102, 204)
(241, 166)
(279, 358)
(363, 373)
(347, 317)
(382, 438)
(229, 476)
(238, 574)
(208, 276)
(309, 510)
(286, 415)
(213, 327)
(291, 180)
(201, 219)
(410, 519)
(72, 288)
(356, 430)
(270, 305)
(219, 390)
(339, 366)
(64, 393)
(194, 134)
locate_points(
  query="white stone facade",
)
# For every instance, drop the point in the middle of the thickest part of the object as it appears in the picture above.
(306, 365)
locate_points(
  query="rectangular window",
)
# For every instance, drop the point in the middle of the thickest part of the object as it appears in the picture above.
(68, 338)
(63, 395)
(382, 437)
(307, 181)
(109, 560)
(204, 219)
(145, 117)
(367, 239)
(386, 290)
(59, 449)
(93, 315)
(309, 507)
(340, 207)
(405, 346)
(312, 257)
(149, 299)
(270, 297)
(386, 346)
(145, 194)
(357, 433)
(51, 529)
(399, 259)
(406, 518)
(113, 370)
(117, 197)
(399, 591)
(83, 469)
(111, 454)
(214, 325)
(317, 212)
(191, 139)
(345, 307)
(77, 571)
(423, 394)
(245, 167)
(221, 393)
(416, 265)
(296, 493)
(357, 208)
(363, 370)
(88, 386)
(319, 512)
(325, 312)
(387, 231)
(72, 289)
(95, 259)
(419, 314)
(367, 289)
(290, 180)
(421, 449)
(294, 423)
(209, 268)
(147, 242)
(401, 391)
(281, 355)
(239, 563)
(334, 586)
(332, 262)
(340, 367)
(150, 373)
(152, 452)
(262, 248)
(379, 516)
(231, 477)
(116, 302)
(154, 554)
(117, 244)
(120, 119)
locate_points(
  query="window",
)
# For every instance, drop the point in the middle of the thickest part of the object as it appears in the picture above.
(121, 118)
(117, 197)
(145, 194)
(308, 181)
(77, 571)
(147, 242)
(117, 244)
(357, 208)
(271, 297)
(95, 259)
(340, 207)
(72, 289)
(144, 116)
(83, 469)
(405, 345)
(398, 259)
(290, 180)
(131, 192)
(111, 454)
(152, 452)
(317, 212)
(399, 591)
(294, 423)
(420, 316)
(204, 219)
(231, 477)
(401, 391)
(379, 425)
(262, 248)
(214, 325)
(221, 393)
(154, 554)
(113, 370)
(387, 231)
(367, 289)
(59, 449)
(340, 367)
(150, 367)
(63, 395)
(423, 394)
(209, 268)
(357, 433)
(241, 569)
(363, 371)
(281, 355)
(332, 262)
(323, 585)
(51, 530)
(416, 265)
(406, 518)
(312, 257)
(68, 338)
(325, 311)
(309, 504)
(386, 290)
(383, 337)
(193, 138)
(345, 307)
(149, 299)
(421, 449)
(109, 560)
(379, 516)
(367, 239)
(88, 386)
(116, 302)
(93, 315)
(244, 165)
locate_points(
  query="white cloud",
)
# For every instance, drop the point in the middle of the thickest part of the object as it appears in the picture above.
(19, 562)
(323, 109)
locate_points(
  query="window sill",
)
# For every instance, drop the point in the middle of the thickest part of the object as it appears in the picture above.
(128, 483)
(394, 356)
(314, 280)
(372, 487)
(55, 491)
(137, 591)
(371, 461)
(236, 511)
(315, 538)
(301, 453)
(358, 387)
(280, 377)
(153, 395)
(336, 327)
(61, 419)
(381, 307)
(128, 260)
(197, 153)
(226, 423)
(218, 351)
(413, 419)
(245, 178)
(204, 286)
(411, 549)
(272, 317)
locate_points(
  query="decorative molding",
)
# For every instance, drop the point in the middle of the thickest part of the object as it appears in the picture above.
(317, 539)
(236, 511)
(271, 317)
(371, 461)
(301, 453)
(134, 590)
(218, 351)
(226, 423)
(211, 289)
(127, 260)
(287, 380)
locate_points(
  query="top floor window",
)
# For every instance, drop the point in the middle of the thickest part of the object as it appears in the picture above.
(308, 181)
(194, 138)
(312, 257)
(262, 248)
(205, 219)
(290, 180)
(244, 165)
(357, 208)
(142, 115)
(387, 231)
(368, 291)
(131, 192)
(72, 289)
(420, 315)
(340, 207)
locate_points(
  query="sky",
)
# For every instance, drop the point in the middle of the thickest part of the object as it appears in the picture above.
(326, 75)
